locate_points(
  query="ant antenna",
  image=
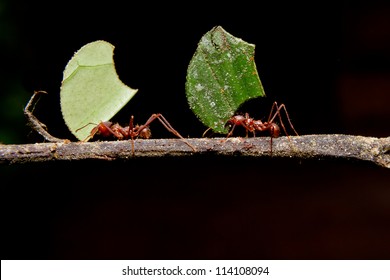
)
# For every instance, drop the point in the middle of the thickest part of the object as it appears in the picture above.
(80, 128)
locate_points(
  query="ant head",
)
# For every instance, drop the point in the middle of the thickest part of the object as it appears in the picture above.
(274, 130)
(96, 130)
(102, 129)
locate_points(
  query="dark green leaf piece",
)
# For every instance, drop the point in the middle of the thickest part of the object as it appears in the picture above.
(221, 76)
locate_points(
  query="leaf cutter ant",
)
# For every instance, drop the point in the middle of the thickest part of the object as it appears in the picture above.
(107, 129)
(252, 125)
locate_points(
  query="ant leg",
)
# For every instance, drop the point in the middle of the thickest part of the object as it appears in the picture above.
(132, 144)
(204, 133)
(166, 124)
(92, 133)
(277, 113)
(163, 121)
(231, 131)
(135, 131)
(131, 133)
(288, 118)
(131, 126)
(271, 116)
(247, 129)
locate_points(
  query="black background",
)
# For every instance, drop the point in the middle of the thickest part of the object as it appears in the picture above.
(327, 61)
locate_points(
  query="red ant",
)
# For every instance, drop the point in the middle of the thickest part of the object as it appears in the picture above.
(252, 125)
(106, 129)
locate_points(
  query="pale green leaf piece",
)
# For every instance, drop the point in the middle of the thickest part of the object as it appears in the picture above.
(91, 90)
(221, 76)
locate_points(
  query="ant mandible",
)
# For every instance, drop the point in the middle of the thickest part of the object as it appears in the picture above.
(252, 125)
(106, 129)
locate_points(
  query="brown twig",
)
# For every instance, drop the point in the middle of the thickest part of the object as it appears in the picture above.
(374, 150)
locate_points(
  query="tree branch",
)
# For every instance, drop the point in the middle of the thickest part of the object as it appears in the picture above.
(374, 150)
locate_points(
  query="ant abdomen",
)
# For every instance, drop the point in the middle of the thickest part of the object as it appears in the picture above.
(145, 133)
(274, 130)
